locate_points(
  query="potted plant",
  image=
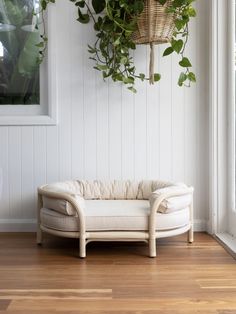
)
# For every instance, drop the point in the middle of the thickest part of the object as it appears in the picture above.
(120, 25)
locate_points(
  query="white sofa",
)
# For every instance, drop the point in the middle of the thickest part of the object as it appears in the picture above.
(115, 211)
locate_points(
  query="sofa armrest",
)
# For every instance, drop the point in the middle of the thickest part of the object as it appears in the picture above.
(63, 206)
(171, 199)
(158, 201)
(61, 195)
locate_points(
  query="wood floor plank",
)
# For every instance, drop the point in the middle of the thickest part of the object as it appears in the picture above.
(55, 294)
(115, 278)
(125, 304)
(176, 311)
(221, 283)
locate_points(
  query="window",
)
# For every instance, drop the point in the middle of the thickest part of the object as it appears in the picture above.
(19, 67)
(231, 118)
(28, 92)
(222, 220)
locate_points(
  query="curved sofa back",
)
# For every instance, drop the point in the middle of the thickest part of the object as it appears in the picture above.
(112, 190)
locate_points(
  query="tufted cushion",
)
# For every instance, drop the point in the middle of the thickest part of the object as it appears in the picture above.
(120, 190)
(114, 190)
(114, 215)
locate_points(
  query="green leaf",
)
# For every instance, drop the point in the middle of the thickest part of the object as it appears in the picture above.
(102, 67)
(168, 51)
(128, 80)
(162, 2)
(43, 4)
(192, 77)
(83, 18)
(132, 89)
(192, 12)
(138, 6)
(157, 77)
(98, 5)
(185, 63)
(177, 45)
(179, 24)
(123, 60)
(80, 4)
(141, 76)
(117, 42)
(182, 78)
(178, 3)
(40, 45)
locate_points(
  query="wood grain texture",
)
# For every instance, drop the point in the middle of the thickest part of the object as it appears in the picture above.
(115, 278)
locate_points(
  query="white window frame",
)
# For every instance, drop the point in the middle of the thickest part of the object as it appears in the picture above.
(46, 112)
(222, 124)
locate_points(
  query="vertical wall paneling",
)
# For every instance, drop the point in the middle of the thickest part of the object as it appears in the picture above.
(127, 134)
(165, 116)
(153, 122)
(203, 39)
(115, 135)
(52, 132)
(40, 158)
(140, 115)
(15, 172)
(4, 164)
(178, 124)
(104, 130)
(52, 149)
(191, 118)
(64, 8)
(90, 109)
(27, 172)
(77, 95)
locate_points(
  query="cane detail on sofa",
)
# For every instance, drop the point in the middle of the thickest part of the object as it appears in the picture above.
(115, 211)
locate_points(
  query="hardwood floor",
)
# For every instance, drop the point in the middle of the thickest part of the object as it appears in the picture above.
(115, 278)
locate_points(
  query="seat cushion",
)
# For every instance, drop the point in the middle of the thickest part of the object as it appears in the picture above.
(118, 215)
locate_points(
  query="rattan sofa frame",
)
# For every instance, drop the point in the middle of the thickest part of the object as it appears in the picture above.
(85, 236)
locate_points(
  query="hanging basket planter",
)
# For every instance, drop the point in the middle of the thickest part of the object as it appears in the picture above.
(154, 26)
(120, 25)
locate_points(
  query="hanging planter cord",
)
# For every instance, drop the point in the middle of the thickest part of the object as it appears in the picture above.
(155, 26)
(152, 47)
(151, 63)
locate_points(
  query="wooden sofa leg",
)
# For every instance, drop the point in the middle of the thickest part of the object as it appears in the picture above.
(190, 234)
(152, 247)
(39, 236)
(82, 249)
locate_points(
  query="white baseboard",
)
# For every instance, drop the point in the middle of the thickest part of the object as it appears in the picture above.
(18, 225)
(199, 225)
(29, 225)
(209, 227)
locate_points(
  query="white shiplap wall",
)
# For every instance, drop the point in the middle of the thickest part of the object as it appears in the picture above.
(106, 132)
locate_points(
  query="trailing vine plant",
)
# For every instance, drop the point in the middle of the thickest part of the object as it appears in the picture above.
(114, 23)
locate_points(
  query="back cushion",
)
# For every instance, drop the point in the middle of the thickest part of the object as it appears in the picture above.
(118, 190)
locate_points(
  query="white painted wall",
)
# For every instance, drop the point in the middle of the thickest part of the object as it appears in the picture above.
(105, 131)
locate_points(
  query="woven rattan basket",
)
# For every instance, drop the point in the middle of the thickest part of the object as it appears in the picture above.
(155, 26)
